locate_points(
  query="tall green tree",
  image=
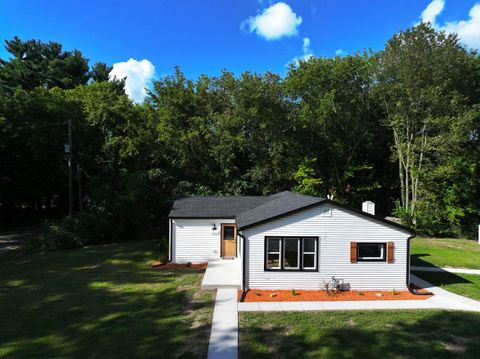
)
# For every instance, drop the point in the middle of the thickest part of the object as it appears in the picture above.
(337, 123)
(419, 74)
(34, 63)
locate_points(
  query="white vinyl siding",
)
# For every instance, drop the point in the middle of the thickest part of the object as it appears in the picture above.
(193, 240)
(336, 228)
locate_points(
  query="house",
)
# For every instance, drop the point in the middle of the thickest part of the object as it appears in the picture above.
(290, 241)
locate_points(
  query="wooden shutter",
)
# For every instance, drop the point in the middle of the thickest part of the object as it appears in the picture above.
(353, 252)
(390, 252)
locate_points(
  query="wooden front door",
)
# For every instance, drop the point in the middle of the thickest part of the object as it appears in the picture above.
(229, 240)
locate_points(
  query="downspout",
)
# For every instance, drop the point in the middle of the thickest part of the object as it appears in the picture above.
(408, 260)
(412, 290)
(244, 256)
(170, 238)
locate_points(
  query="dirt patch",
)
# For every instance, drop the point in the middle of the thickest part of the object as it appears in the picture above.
(185, 287)
(454, 348)
(351, 323)
(171, 265)
(255, 295)
(458, 345)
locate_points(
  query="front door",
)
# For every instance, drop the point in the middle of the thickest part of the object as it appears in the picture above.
(229, 240)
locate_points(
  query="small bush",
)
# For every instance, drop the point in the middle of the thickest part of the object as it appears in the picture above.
(163, 250)
(67, 233)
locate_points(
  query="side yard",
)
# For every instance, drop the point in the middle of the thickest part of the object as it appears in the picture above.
(101, 302)
(449, 252)
(445, 252)
(467, 285)
(369, 334)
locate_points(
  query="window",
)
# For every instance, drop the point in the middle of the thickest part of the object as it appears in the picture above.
(291, 253)
(371, 252)
(273, 253)
(228, 233)
(309, 252)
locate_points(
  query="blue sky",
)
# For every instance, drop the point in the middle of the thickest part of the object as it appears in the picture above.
(207, 36)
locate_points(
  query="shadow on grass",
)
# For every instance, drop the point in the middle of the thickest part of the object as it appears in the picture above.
(100, 302)
(417, 260)
(414, 334)
(442, 278)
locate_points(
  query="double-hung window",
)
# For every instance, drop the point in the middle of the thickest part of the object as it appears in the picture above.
(274, 246)
(309, 253)
(291, 253)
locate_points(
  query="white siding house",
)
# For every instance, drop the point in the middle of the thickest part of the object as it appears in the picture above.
(291, 241)
(194, 240)
(336, 228)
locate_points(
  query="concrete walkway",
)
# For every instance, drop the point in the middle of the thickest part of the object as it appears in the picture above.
(222, 273)
(442, 299)
(224, 334)
(446, 269)
(447, 299)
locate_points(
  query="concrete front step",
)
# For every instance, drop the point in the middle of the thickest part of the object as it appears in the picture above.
(223, 273)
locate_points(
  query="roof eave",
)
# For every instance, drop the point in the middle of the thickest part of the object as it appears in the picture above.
(324, 201)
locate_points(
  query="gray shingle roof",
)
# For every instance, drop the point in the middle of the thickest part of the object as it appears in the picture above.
(214, 206)
(280, 203)
(251, 210)
(246, 209)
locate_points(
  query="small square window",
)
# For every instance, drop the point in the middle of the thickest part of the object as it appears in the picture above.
(371, 252)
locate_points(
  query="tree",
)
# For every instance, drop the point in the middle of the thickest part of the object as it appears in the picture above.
(34, 64)
(337, 123)
(418, 82)
(100, 72)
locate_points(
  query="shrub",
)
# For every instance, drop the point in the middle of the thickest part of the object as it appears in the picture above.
(67, 233)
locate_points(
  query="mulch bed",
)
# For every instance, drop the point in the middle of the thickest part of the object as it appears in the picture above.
(158, 265)
(255, 295)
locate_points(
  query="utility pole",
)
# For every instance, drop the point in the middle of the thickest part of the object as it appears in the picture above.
(68, 150)
(79, 179)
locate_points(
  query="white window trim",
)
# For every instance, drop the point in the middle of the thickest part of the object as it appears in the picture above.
(279, 240)
(314, 254)
(298, 253)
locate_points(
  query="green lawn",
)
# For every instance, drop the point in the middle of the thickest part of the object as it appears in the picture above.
(463, 284)
(370, 334)
(448, 252)
(101, 302)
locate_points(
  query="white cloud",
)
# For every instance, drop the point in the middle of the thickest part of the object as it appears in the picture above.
(340, 52)
(138, 74)
(307, 53)
(432, 11)
(306, 46)
(468, 30)
(274, 22)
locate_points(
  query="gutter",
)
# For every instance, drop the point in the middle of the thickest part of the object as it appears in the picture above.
(410, 289)
(408, 260)
(244, 258)
(170, 239)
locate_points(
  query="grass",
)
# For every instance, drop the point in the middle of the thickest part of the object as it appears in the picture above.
(369, 334)
(445, 252)
(101, 302)
(467, 285)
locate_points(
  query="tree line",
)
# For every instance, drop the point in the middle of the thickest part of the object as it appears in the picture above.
(399, 127)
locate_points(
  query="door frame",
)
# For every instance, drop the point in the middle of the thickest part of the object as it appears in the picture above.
(221, 238)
